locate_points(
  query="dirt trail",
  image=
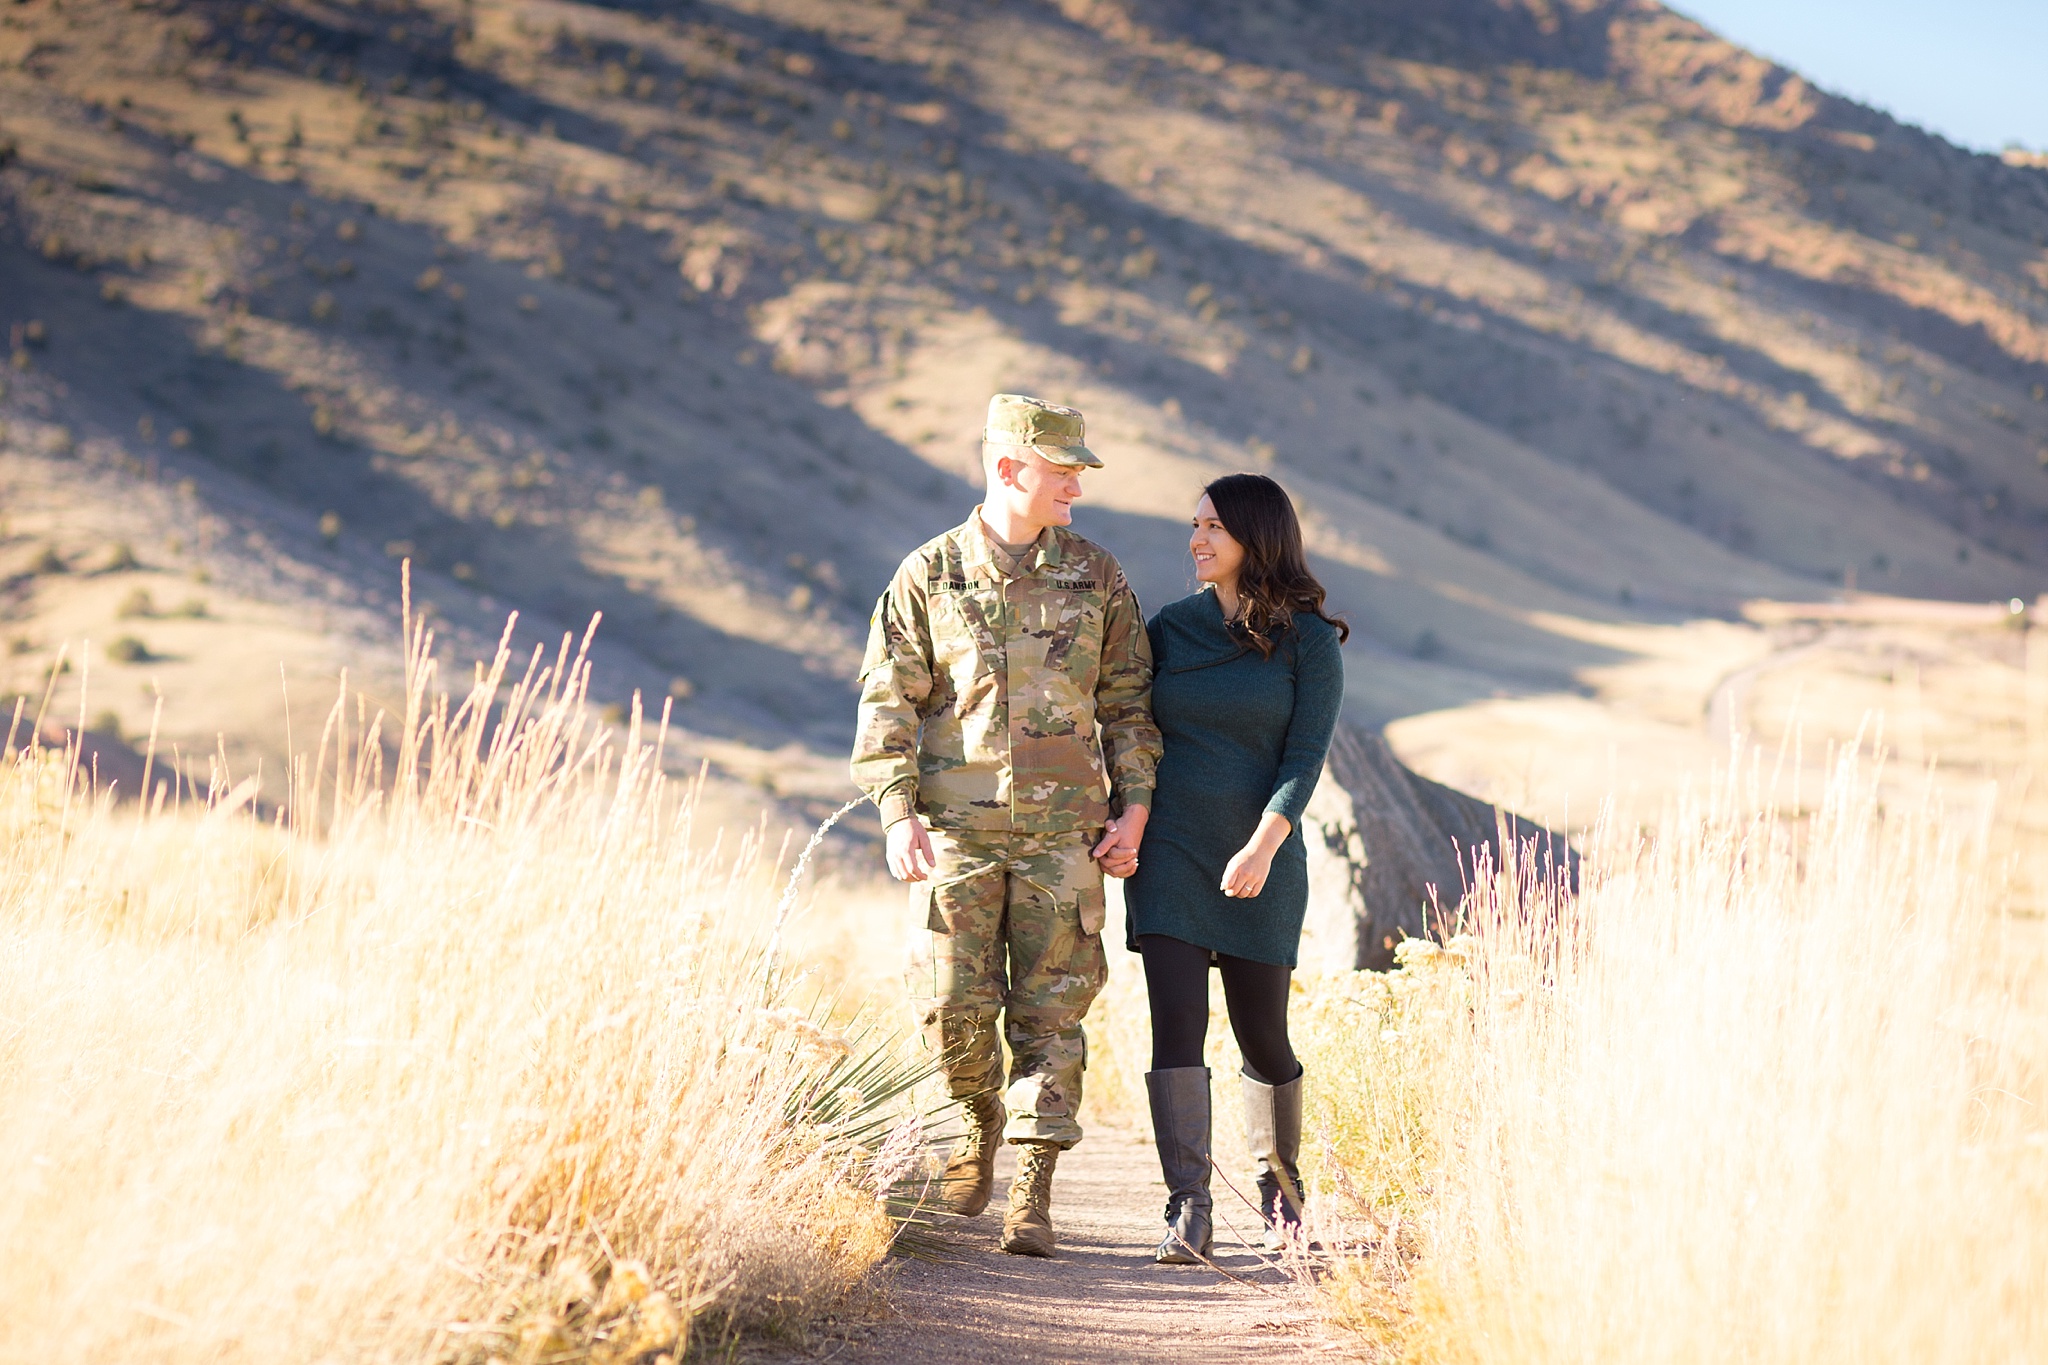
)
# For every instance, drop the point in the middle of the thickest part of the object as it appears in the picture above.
(1101, 1299)
(1724, 704)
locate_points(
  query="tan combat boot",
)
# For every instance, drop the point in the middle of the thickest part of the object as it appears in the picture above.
(1027, 1227)
(970, 1176)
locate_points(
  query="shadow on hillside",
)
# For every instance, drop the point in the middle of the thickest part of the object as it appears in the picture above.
(1476, 34)
(237, 418)
(1342, 305)
(1345, 308)
(667, 408)
(1968, 346)
(1153, 552)
(1482, 37)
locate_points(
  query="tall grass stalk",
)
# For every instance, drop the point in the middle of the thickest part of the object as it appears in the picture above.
(456, 1052)
(1759, 1093)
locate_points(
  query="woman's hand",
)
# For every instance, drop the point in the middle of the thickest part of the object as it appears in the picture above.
(1118, 851)
(1245, 875)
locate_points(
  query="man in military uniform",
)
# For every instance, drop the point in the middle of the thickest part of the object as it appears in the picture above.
(999, 651)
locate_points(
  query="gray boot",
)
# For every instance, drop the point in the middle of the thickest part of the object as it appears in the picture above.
(1180, 1126)
(1272, 1125)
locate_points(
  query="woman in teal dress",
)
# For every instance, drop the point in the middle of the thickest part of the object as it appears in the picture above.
(1247, 683)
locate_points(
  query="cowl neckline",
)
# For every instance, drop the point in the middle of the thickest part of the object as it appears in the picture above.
(1207, 636)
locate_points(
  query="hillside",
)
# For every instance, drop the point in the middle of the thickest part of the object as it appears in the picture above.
(1568, 323)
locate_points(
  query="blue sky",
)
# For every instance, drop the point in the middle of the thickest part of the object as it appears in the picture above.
(1975, 71)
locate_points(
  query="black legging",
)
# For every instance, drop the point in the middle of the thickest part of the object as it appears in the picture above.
(1177, 981)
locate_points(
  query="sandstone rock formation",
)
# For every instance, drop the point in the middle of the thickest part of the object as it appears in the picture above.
(1391, 853)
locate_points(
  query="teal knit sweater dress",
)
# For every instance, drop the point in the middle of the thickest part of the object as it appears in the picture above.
(1244, 735)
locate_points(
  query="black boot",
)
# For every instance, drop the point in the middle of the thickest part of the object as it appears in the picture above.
(1272, 1125)
(1180, 1125)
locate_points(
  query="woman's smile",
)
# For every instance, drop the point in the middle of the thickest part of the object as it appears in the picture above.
(1217, 554)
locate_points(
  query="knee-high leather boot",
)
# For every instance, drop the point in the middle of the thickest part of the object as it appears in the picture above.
(1272, 1126)
(1180, 1126)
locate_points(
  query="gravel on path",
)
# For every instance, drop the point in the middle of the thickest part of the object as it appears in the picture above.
(1101, 1299)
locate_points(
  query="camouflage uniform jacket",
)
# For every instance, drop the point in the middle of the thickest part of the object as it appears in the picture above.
(981, 693)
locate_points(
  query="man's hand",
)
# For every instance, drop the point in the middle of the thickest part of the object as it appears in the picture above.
(910, 851)
(1118, 851)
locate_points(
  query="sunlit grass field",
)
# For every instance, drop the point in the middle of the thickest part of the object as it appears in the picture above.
(458, 1052)
(1772, 1088)
(464, 1044)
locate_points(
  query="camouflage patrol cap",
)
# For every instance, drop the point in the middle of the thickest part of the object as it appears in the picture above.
(1051, 430)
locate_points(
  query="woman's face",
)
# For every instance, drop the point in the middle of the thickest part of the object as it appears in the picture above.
(1218, 555)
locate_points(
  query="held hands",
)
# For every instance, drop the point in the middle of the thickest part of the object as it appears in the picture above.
(911, 858)
(910, 851)
(1118, 851)
(1245, 875)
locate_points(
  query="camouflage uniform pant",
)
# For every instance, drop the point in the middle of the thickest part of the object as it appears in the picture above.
(1015, 925)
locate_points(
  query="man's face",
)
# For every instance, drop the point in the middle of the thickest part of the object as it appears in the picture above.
(1034, 489)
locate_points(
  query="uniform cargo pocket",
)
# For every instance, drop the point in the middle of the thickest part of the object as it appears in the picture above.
(925, 896)
(1094, 910)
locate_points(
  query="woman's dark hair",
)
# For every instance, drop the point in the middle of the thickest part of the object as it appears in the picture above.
(1275, 581)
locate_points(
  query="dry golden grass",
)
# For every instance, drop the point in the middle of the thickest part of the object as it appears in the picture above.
(1774, 1087)
(474, 1059)
(467, 1048)
(1767, 1090)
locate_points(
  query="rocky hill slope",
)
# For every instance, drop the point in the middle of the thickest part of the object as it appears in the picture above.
(1561, 317)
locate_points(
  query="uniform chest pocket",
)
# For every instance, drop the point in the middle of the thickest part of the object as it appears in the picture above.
(1073, 629)
(967, 630)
